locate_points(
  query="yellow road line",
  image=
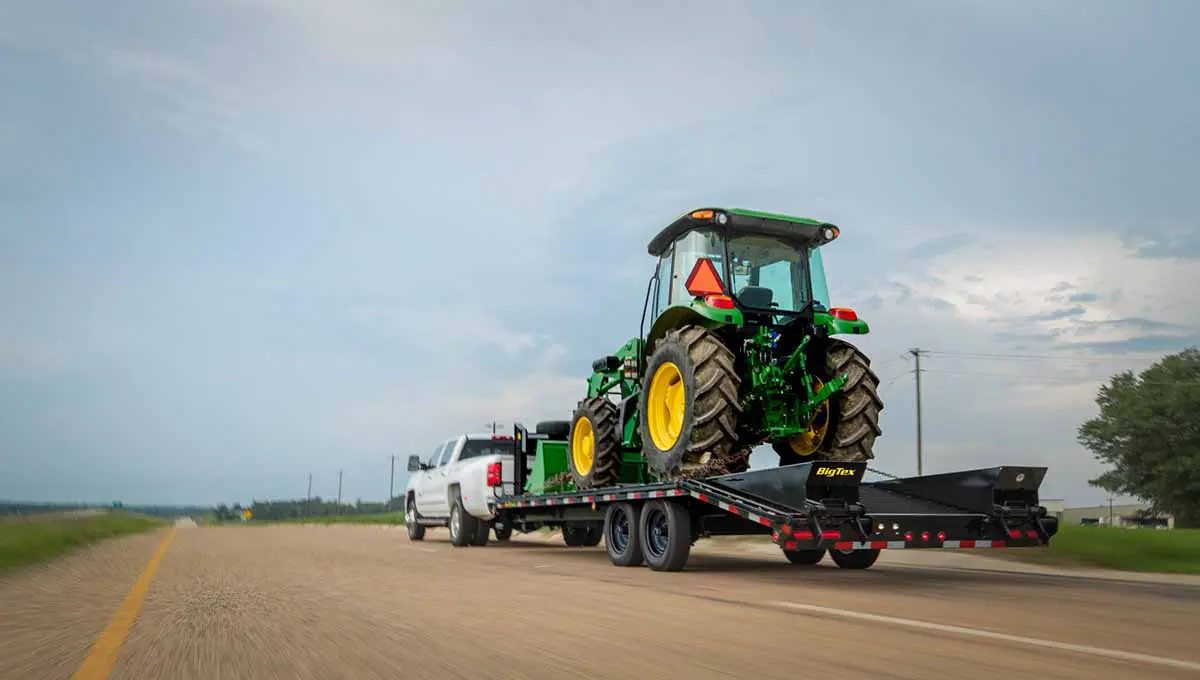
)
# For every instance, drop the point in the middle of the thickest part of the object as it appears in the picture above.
(100, 661)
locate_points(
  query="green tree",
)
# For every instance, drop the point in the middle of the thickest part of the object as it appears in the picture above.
(1148, 430)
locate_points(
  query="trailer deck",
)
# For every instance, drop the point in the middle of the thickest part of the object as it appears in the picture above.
(808, 509)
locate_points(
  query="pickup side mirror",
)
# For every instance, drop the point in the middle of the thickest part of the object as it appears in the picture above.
(414, 464)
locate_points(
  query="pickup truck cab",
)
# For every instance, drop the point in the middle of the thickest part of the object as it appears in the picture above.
(452, 487)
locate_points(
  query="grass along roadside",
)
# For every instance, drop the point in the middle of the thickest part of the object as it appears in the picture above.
(1166, 551)
(27, 542)
(383, 518)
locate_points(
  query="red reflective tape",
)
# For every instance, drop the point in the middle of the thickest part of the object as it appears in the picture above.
(999, 544)
(844, 545)
(966, 544)
(764, 521)
(733, 509)
(703, 498)
(878, 545)
(803, 535)
(636, 495)
(791, 545)
(831, 535)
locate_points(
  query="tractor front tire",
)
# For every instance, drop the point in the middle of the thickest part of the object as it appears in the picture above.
(593, 447)
(853, 410)
(689, 407)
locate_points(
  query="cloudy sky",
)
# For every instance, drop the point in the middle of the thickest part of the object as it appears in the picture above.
(242, 241)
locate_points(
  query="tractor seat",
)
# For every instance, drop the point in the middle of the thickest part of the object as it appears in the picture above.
(756, 296)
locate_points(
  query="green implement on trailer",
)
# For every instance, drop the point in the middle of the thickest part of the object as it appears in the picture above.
(740, 351)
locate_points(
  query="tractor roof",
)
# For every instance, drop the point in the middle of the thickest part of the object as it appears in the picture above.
(740, 222)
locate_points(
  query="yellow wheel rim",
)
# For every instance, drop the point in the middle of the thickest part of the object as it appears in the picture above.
(583, 446)
(807, 443)
(665, 405)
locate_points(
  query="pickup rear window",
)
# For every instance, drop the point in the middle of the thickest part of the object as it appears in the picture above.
(477, 448)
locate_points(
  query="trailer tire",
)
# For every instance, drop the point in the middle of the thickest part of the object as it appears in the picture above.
(804, 558)
(412, 521)
(622, 538)
(482, 533)
(573, 535)
(503, 529)
(665, 531)
(461, 524)
(704, 367)
(594, 432)
(854, 559)
(592, 535)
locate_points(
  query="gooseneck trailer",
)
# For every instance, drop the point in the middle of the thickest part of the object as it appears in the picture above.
(808, 509)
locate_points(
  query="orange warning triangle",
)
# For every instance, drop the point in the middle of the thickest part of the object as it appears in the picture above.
(704, 279)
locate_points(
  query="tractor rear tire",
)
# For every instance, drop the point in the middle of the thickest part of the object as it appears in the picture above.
(854, 410)
(696, 358)
(594, 427)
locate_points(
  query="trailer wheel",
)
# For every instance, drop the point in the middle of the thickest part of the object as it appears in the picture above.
(665, 531)
(592, 535)
(503, 529)
(416, 530)
(462, 524)
(805, 558)
(854, 559)
(573, 536)
(622, 539)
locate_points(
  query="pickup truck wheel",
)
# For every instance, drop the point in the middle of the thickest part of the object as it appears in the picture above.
(503, 529)
(416, 530)
(665, 530)
(806, 558)
(621, 537)
(854, 559)
(462, 525)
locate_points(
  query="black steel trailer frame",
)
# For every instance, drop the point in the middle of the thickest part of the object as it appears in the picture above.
(808, 509)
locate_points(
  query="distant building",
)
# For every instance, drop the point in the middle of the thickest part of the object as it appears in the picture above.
(1127, 515)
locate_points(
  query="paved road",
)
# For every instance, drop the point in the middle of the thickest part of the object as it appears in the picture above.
(364, 602)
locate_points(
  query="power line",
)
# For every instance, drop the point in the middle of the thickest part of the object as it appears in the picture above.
(1034, 379)
(1000, 356)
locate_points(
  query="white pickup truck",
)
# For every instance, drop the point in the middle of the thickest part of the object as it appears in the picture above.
(452, 487)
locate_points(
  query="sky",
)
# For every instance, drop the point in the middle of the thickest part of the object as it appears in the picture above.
(246, 241)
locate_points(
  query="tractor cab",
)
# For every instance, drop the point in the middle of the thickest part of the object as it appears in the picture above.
(766, 266)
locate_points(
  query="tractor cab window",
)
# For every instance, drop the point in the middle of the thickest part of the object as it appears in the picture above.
(768, 273)
(663, 291)
(689, 248)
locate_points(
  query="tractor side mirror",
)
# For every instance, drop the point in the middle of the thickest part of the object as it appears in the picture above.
(414, 464)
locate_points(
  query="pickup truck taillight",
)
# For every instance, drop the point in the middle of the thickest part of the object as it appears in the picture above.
(493, 474)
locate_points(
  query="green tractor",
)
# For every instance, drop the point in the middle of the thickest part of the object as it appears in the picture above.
(740, 351)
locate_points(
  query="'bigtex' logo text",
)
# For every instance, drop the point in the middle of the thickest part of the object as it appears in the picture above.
(835, 472)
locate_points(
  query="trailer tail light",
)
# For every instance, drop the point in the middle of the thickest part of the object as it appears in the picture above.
(493, 474)
(941, 535)
(908, 536)
(924, 535)
(1014, 533)
(1031, 534)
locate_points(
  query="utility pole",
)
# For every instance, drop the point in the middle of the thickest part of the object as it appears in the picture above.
(916, 352)
(308, 498)
(339, 503)
(392, 484)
